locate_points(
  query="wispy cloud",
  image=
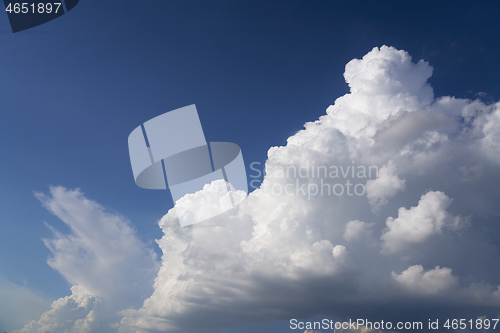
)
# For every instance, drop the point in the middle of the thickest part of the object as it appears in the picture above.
(109, 266)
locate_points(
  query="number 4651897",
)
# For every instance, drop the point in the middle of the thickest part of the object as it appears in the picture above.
(40, 8)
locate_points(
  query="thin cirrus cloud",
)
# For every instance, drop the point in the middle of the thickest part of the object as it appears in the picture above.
(419, 242)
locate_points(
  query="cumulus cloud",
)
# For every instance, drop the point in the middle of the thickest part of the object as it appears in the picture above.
(225, 273)
(430, 282)
(418, 223)
(296, 249)
(384, 187)
(491, 132)
(71, 314)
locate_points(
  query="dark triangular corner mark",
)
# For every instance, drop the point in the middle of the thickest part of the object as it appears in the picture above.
(27, 14)
(70, 4)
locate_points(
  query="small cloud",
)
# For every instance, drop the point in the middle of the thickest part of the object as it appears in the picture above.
(384, 187)
(418, 223)
(428, 283)
(71, 314)
(358, 230)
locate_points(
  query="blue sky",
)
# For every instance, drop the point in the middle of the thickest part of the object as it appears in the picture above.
(73, 89)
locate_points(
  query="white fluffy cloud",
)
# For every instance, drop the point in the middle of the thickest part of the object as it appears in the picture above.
(418, 223)
(430, 282)
(288, 252)
(384, 187)
(491, 132)
(71, 314)
(293, 248)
